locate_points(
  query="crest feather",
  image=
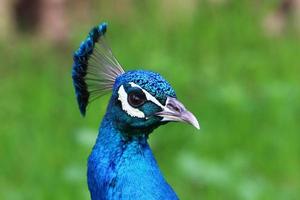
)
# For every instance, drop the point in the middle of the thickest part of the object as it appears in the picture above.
(95, 69)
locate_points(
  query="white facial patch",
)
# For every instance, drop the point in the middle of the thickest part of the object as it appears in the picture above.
(134, 112)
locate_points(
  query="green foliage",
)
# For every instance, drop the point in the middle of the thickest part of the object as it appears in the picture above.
(243, 86)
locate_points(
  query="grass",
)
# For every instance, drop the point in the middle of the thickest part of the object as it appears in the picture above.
(243, 86)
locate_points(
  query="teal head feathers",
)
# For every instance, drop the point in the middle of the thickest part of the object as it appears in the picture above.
(140, 101)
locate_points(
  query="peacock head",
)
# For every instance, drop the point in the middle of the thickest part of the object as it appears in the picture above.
(141, 100)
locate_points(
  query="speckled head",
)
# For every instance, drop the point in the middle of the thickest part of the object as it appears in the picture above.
(141, 100)
(150, 81)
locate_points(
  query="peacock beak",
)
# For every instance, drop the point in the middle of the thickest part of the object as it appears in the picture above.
(175, 111)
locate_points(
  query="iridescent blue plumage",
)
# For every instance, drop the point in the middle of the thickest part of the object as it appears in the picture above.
(121, 165)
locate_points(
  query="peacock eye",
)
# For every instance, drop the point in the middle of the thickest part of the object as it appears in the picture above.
(136, 99)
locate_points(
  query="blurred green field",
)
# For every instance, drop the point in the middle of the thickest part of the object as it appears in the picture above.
(243, 86)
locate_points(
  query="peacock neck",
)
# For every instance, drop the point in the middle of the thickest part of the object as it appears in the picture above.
(122, 167)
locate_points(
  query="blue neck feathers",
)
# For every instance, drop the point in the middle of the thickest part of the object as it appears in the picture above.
(124, 167)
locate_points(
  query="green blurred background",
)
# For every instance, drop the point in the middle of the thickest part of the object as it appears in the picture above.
(235, 64)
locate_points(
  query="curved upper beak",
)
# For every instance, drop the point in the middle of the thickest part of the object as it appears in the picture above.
(175, 111)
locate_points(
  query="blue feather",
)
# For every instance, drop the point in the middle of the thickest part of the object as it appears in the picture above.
(84, 65)
(80, 59)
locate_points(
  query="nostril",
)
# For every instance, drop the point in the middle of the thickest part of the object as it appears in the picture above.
(173, 107)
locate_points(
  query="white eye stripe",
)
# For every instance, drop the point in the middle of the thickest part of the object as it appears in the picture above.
(134, 112)
(148, 95)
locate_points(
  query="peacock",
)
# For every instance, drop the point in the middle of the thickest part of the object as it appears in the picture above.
(121, 164)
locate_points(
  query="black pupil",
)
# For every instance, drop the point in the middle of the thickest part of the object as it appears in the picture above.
(136, 99)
